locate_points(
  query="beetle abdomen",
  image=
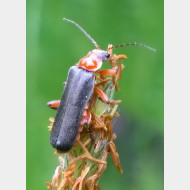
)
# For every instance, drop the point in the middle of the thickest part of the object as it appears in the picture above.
(78, 90)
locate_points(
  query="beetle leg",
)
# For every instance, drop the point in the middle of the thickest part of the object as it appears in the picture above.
(111, 72)
(102, 82)
(104, 98)
(86, 117)
(54, 104)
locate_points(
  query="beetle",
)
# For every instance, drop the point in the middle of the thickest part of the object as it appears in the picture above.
(79, 87)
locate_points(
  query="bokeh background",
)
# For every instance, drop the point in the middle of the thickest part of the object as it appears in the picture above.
(53, 46)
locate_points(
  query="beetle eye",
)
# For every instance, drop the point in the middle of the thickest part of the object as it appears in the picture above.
(108, 55)
(105, 56)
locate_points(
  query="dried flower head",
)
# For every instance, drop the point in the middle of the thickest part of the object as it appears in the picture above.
(82, 167)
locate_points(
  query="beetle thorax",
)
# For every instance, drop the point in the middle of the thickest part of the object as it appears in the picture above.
(93, 61)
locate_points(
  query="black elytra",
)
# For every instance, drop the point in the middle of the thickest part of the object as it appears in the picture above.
(78, 91)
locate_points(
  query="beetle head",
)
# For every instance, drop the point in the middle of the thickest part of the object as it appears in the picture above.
(93, 61)
(101, 54)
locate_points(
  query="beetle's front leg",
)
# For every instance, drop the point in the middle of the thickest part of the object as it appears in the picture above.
(107, 72)
(104, 98)
(111, 72)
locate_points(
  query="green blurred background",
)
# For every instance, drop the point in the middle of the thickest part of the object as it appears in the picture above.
(53, 46)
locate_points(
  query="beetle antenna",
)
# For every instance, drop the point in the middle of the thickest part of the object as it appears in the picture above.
(84, 32)
(133, 44)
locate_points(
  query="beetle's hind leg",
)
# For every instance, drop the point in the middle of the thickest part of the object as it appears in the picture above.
(85, 120)
(86, 117)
